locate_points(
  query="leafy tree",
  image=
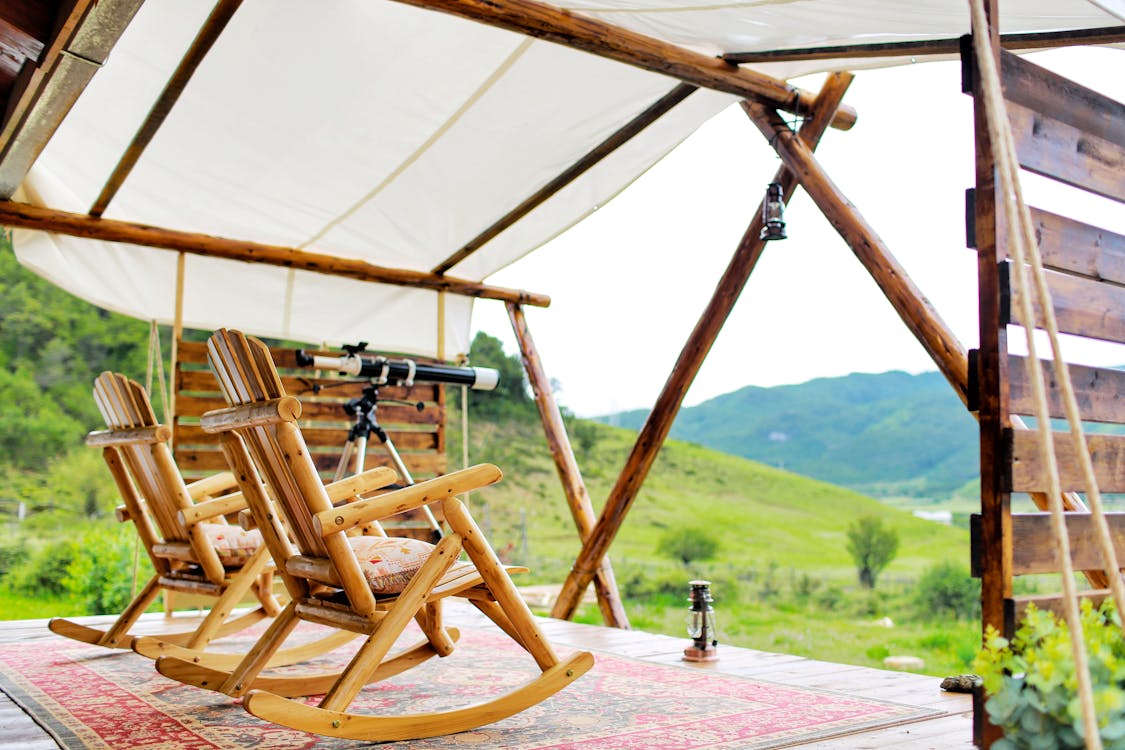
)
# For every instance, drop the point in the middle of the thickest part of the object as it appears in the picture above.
(511, 399)
(688, 544)
(872, 546)
(34, 428)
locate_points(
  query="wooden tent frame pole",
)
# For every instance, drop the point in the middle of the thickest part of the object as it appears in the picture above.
(25, 215)
(659, 422)
(597, 37)
(577, 497)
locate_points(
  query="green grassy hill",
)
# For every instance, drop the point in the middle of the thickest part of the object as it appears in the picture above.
(761, 515)
(890, 434)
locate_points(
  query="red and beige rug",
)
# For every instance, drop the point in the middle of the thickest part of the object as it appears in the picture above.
(87, 697)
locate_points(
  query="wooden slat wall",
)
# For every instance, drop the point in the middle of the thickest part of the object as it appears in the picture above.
(1033, 541)
(419, 435)
(1099, 391)
(1076, 136)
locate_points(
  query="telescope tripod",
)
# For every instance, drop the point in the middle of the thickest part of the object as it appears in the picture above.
(363, 409)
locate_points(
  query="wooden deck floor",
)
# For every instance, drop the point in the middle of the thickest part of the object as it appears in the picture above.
(950, 731)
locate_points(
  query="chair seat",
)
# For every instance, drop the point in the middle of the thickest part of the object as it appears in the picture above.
(388, 563)
(233, 544)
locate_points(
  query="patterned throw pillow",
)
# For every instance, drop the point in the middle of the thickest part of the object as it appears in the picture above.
(388, 563)
(233, 544)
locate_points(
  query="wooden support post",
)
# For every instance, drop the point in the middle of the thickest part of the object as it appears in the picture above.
(589, 34)
(24, 215)
(659, 422)
(908, 301)
(609, 599)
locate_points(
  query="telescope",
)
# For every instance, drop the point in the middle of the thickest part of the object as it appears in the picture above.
(404, 372)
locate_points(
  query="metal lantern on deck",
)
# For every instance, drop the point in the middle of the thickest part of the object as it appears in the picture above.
(773, 213)
(701, 624)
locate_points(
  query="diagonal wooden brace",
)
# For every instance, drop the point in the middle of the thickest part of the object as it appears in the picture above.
(659, 422)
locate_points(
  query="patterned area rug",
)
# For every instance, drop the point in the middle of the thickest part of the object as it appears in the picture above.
(87, 697)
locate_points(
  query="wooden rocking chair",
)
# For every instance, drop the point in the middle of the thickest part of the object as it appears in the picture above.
(330, 584)
(181, 527)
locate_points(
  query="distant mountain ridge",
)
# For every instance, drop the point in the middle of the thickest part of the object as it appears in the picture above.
(883, 434)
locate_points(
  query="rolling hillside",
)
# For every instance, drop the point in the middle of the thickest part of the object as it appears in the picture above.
(891, 434)
(763, 516)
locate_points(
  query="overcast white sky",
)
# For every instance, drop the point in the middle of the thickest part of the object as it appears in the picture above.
(629, 283)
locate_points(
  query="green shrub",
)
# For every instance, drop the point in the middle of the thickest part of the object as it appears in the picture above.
(948, 590)
(1032, 683)
(688, 544)
(94, 567)
(100, 576)
(13, 552)
(44, 570)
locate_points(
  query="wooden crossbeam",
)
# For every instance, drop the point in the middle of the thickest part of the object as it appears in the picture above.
(200, 46)
(659, 421)
(23, 215)
(648, 53)
(618, 139)
(931, 47)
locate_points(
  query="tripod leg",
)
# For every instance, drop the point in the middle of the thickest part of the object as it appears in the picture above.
(345, 457)
(396, 459)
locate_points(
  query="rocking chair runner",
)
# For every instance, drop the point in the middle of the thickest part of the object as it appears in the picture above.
(189, 550)
(331, 584)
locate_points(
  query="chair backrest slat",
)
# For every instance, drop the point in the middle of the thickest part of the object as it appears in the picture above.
(246, 374)
(150, 467)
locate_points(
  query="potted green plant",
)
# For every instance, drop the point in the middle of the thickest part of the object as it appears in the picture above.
(1032, 686)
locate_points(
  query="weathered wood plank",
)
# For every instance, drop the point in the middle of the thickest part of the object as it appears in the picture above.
(316, 437)
(197, 406)
(1100, 391)
(192, 462)
(1041, 90)
(1029, 473)
(1017, 606)
(1062, 152)
(1033, 546)
(1083, 307)
(1075, 247)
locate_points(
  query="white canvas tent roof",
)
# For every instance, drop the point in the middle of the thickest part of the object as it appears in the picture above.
(394, 134)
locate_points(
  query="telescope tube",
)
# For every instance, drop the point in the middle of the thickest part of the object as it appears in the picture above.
(402, 371)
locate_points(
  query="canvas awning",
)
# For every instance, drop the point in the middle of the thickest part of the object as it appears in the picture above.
(374, 130)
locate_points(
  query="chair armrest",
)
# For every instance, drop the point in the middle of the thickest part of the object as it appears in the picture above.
(220, 506)
(416, 495)
(132, 436)
(246, 520)
(212, 486)
(345, 489)
(353, 486)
